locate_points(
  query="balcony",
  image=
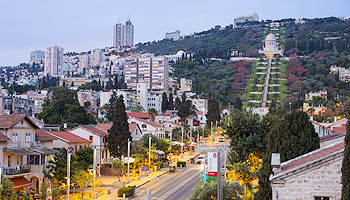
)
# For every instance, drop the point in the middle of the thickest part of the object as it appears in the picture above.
(16, 171)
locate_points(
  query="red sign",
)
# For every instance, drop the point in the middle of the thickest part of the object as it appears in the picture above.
(212, 173)
(214, 155)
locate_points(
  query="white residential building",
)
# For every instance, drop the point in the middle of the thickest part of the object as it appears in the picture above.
(242, 19)
(173, 35)
(311, 95)
(185, 85)
(53, 61)
(149, 99)
(200, 104)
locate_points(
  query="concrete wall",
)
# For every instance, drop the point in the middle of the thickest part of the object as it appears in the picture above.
(323, 180)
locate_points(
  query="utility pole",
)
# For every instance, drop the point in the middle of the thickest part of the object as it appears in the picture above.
(182, 141)
(225, 148)
(149, 153)
(171, 134)
(68, 171)
(219, 179)
(94, 171)
(128, 157)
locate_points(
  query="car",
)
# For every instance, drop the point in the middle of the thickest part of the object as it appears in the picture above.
(201, 159)
(221, 139)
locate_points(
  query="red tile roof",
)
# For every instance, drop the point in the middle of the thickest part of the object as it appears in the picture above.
(20, 182)
(3, 137)
(132, 127)
(106, 126)
(69, 137)
(174, 123)
(40, 134)
(142, 115)
(96, 130)
(150, 123)
(167, 113)
(7, 121)
(311, 157)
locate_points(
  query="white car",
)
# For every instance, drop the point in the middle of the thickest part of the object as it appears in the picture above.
(201, 159)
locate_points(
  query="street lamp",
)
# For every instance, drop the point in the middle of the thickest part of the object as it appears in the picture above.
(149, 153)
(128, 157)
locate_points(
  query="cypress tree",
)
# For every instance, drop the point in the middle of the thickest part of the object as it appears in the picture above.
(119, 132)
(213, 114)
(238, 103)
(291, 137)
(345, 169)
(111, 106)
(171, 102)
(164, 102)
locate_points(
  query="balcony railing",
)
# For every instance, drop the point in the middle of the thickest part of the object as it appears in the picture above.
(16, 170)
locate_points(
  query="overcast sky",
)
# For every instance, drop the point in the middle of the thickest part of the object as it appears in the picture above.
(82, 25)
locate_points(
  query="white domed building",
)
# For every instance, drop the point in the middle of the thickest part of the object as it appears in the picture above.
(271, 46)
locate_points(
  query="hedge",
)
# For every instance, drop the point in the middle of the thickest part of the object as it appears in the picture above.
(129, 191)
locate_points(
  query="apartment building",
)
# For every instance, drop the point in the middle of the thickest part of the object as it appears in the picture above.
(248, 18)
(16, 105)
(53, 61)
(123, 35)
(150, 70)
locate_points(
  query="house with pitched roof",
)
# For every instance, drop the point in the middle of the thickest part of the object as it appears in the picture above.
(134, 129)
(315, 175)
(149, 127)
(98, 138)
(169, 126)
(24, 154)
(66, 139)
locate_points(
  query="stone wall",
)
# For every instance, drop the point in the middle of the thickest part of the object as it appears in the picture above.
(322, 179)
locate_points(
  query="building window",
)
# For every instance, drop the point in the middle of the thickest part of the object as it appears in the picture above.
(91, 138)
(15, 137)
(9, 160)
(322, 198)
(34, 160)
(144, 126)
(27, 137)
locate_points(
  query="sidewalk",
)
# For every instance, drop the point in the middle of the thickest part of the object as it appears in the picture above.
(108, 180)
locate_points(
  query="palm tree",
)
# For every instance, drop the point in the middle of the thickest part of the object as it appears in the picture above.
(139, 108)
(152, 113)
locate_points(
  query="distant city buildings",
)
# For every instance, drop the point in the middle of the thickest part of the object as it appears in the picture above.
(173, 35)
(242, 19)
(37, 56)
(123, 35)
(53, 61)
(310, 95)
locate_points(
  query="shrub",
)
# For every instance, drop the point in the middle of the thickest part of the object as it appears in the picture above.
(181, 163)
(129, 191)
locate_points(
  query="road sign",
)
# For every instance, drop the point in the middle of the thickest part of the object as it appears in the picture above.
(212, 163)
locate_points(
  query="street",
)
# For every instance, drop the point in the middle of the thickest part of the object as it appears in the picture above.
(179, 185)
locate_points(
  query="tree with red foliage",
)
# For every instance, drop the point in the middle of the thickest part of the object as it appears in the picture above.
(239, 76)
(243, 69)
(296, 71)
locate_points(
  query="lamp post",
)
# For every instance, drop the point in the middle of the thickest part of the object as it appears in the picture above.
(69, 153)
(128, 157)
(182, 140)
(149, 153)
(94, 171)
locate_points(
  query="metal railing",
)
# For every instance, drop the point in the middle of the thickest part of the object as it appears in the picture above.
(16, 170)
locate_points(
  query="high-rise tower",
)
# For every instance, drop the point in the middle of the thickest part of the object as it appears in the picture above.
(123, 34)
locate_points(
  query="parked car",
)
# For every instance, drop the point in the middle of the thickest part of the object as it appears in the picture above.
(201, 159)
(221, 139)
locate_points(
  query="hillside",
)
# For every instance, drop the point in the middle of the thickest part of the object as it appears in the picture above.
(314, 35)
